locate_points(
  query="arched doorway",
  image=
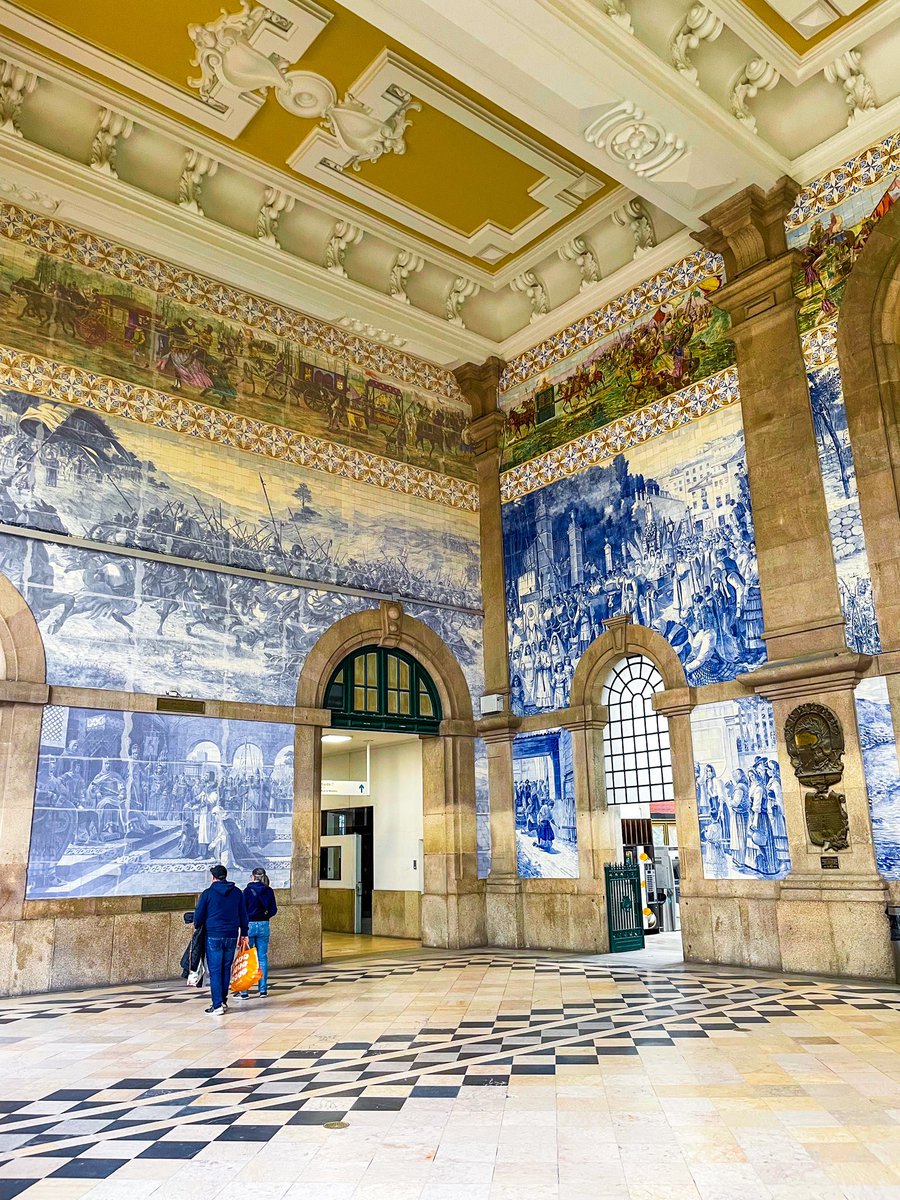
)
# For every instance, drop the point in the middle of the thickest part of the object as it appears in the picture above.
(362, 674)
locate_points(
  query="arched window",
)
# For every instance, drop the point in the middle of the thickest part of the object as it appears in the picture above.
(637, 759)
(374, 688)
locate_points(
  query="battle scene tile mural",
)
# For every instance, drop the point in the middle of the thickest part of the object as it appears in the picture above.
(627, 365)
(140, 804)
(740, 801)
(544, 793)
(662, 533)
(879, 751)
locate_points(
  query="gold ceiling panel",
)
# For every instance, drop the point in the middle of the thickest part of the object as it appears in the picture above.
(454, 176)
(768, 14)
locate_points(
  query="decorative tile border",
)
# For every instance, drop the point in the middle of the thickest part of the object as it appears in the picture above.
(42, 377)
(165, 279)
(592, 449)
(641, 300)
(868, 168)
(819, 345)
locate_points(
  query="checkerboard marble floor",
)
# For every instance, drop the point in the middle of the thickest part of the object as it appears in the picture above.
(434, 1076)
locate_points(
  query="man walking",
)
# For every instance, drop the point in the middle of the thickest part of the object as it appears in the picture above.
(222, 912)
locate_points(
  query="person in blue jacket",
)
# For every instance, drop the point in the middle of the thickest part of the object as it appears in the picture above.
(222, 913)
(261, 907)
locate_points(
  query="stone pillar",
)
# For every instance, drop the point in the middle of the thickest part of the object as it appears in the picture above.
(830, 921)
(305, 916)
(20, 740)
(800, 596)
(479, 384)
(453, 901)
(503, 894)
(583, 927)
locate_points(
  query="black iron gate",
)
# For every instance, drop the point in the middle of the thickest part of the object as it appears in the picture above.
(624, 911)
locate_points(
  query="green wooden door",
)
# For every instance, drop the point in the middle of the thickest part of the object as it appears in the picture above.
(623, 907)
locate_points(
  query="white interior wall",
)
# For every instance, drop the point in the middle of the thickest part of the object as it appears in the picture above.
(396, 799)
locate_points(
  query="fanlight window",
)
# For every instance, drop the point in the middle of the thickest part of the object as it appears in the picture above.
(637, 758)
(374, 688)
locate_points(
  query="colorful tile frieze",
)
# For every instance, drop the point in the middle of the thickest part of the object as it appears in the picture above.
(635, 364)
(43, 377)
(864, 170)
(602, 445)
(639, 302)
(80, 299)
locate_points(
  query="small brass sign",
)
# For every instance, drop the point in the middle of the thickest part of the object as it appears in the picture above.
(815, 742)
(830, 862)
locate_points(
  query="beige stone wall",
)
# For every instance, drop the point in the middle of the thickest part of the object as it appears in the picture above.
(396, 914)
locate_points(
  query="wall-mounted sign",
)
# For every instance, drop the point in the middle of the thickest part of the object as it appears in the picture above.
(344, 787)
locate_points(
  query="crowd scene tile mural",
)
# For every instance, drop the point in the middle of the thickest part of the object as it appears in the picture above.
(99, 309)
(544, 795)
(740, 801)
(664, 534)
(630, 365)
(139, 804)
(879, 750)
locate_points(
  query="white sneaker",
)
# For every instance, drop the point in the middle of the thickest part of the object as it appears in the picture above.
(216, 1012)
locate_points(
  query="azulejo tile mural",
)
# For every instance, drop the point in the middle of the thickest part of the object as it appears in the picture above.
(740, 801)
(74, 296)
(663, 533)
(855, 199)
(636, 354)
(879, 751)
(140, 804)
(111, 481)
(544, 794)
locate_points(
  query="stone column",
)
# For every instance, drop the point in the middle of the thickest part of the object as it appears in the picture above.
(830, 921)
(21, 710)
(453, 901)
(479, 384)
(304, 921)
(800, 597)
(583, 927)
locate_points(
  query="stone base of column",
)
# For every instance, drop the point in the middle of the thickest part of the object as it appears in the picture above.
(296, 935)
(453, 921)
(834, 927)
(504, 916)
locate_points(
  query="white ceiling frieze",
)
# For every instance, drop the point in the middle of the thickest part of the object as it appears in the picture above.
(634, 215)
(700, 24)
(757, 76)
(859, 95)
(637, 141)
(16, 82)
(461, 290)
(406, 263)
(528, 285)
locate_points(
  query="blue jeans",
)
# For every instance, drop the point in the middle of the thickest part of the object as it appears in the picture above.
(259, 939)
(219, 957)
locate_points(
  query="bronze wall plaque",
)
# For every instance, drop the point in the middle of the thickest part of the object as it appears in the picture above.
(815, 742)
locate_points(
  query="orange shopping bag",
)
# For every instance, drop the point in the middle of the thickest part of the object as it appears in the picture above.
(245, 970)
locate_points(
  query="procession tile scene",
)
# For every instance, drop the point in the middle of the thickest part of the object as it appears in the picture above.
(488, 1076)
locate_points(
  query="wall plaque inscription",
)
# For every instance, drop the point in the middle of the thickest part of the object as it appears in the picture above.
(815, 742)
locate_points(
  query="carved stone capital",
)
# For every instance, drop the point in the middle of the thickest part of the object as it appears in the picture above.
(808, 676)
(484, 434)
(585, 717)
(675, 702)
(748, 228)
(760, 291)
(499, 727)
(391, 623)
(479, 384)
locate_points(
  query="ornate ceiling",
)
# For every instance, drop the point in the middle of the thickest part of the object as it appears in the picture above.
(459, 178)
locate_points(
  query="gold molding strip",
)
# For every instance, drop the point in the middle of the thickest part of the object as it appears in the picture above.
(42, 377)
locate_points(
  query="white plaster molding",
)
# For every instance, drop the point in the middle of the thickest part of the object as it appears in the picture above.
(579, 252)
(460, 291)
(847, 72)
(699, 25)
(796, 67)
(635, 140)
(406, 263)
(634, 214)
(274, 204)
(757, 76)
(345, 234)
(616, 283)
(870, 128)
(16, 82)
(559, 191)
(616, 11)
(197, 167)
(372, 331)
(534, 291)
(112, 127)
(29, 197)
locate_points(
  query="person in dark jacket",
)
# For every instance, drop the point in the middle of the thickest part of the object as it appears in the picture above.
(222, 913)
(261, 907)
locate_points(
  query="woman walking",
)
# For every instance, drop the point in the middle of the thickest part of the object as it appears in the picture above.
(261, 907)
